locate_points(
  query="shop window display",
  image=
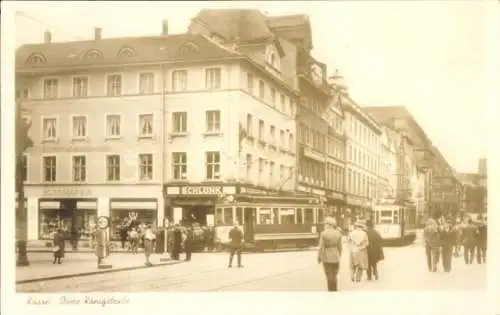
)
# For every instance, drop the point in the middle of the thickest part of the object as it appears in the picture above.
(135, 216)
(52, 219)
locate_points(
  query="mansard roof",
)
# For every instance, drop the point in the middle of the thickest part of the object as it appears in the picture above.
(118, 51)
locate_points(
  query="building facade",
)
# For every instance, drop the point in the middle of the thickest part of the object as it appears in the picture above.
(414, 156)
(321, 163)
(362, 150)
(387, 161)
(151, 128)
(445, 187)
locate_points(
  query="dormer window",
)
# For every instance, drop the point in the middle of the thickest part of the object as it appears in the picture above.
(93, 54)
(127, 52)
(35, 59)
(189, 47)
(273, 60)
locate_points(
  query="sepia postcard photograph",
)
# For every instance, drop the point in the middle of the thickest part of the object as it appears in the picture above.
(151, 149)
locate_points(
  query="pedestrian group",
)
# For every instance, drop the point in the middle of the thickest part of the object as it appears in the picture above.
(364, 246)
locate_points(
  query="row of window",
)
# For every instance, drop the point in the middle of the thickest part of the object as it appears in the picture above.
(113, 167)
(79, 165)
(79, 126)
(314, 173)
(362, 132)
(285, 172)
(114, 125)
(318, 141)
(360, 184)
(359, 157)
(114, 84)
(271, 137)
(286, 104)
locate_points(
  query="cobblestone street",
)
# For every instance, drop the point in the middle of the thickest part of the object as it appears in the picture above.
(403, 269)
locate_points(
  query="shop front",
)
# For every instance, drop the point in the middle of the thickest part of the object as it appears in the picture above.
(196, 203)
(136, 211)
(75, 209)
(69, 214)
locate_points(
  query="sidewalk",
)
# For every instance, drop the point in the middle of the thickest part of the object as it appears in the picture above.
(80, 264)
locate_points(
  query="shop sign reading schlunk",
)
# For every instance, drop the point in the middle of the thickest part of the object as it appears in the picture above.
(201, 190)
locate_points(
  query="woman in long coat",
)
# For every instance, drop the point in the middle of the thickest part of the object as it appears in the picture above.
(358, 243)
(59, 246)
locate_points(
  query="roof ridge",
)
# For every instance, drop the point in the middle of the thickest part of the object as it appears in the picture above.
(152, 37)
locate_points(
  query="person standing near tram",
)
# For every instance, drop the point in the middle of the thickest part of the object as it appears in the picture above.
(330, 251)
(236, 244)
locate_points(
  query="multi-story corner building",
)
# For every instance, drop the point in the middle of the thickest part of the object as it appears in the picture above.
(321, 163)
(362, 151)
(152, 128)
(414, 157)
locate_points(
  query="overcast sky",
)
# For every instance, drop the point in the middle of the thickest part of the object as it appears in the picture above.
(428, 56)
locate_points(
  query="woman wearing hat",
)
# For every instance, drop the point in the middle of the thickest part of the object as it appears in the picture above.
(329, 252)
(358, 244)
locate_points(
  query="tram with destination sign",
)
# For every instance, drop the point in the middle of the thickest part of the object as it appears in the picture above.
(269, 225)
(396, 223)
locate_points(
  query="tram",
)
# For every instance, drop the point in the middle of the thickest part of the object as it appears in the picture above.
(396, 223)
(271, 225)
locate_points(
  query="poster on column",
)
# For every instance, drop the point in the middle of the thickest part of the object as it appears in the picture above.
(177, 215)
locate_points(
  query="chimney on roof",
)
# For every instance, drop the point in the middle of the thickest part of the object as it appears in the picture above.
(97, 33)
(164, 29)
(47, 38)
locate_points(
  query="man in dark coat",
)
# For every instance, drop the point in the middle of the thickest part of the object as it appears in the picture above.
(176, 242)
(469, 238)
(189, 243)
(482, 240)
(447, 239)
(236, 243)
(375, 250)
(432, 244)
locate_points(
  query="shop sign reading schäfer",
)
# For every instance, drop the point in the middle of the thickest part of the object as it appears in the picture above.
(201, 190)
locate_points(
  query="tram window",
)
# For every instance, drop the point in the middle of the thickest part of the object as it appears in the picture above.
(264, 216)
(287, 216)
(219, 218)
(228, 215)
(276, 215)
(386, 213)
(385, 221)
(299, 216)
(396, 217)
(308, 216)
(239, 215)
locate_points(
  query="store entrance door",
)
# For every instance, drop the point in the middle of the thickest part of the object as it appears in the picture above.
(196, 214)
(66, 211)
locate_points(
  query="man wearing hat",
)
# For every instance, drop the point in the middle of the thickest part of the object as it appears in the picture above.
(447, 239)
(330, 251)
(432, 242)
(236, 237)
